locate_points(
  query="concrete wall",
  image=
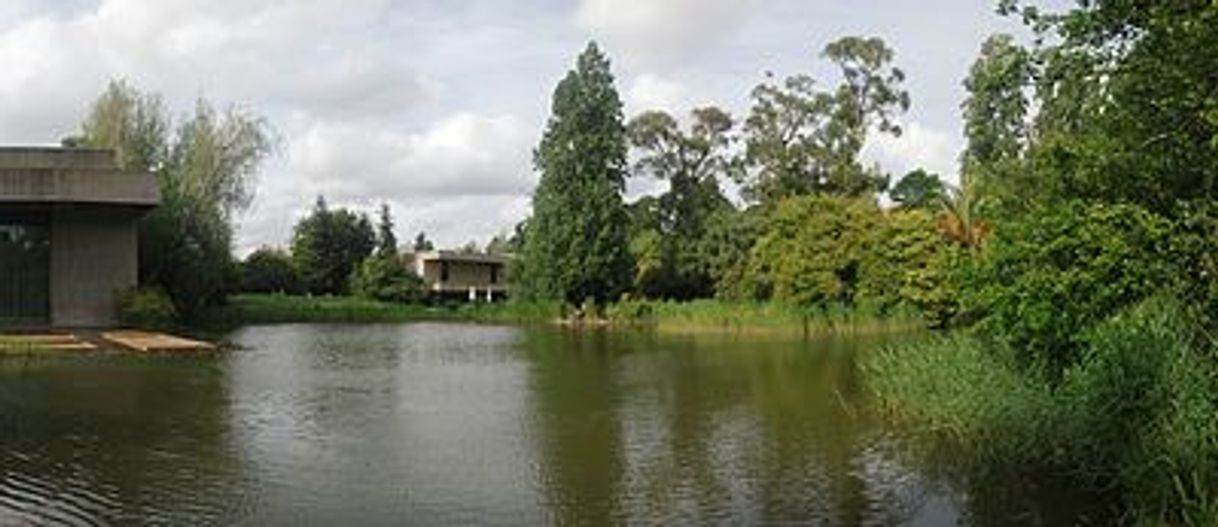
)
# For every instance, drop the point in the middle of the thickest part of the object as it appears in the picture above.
(94, 257)
(462, 276)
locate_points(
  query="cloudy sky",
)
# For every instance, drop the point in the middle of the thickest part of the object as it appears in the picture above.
(435, 105)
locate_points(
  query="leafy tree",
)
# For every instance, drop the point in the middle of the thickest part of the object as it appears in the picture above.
(422, 244)
(724, 248)
(691, 161)
(801, 140)
(387, 278)
(328, 245)
(386, 240)
(918, 189)
(269, 270)
(906, 263)
(996, 116)
(205, 170)
(499, 244)
(576, 245)
(1050, 276)
(811, 250)
(1128, 106)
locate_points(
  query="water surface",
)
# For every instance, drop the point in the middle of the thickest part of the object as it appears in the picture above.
(433, 424)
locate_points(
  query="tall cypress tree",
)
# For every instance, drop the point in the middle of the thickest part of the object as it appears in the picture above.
(576, 247)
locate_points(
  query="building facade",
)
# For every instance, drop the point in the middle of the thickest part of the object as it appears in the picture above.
(481, 277)
(68, 235)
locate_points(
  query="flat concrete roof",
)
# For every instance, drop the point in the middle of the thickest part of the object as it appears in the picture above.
(46, 175)
(453, 256)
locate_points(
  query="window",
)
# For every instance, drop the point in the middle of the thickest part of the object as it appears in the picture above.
(494, 274)
(443, 272)
(25, 251)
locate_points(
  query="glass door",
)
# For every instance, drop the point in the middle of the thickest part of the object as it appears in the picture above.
(25, 269)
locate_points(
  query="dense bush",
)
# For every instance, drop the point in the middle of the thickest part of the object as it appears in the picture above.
(827, 251)
(1049, 277)
(1134, 415)
(268, 270)
(147, 308)
(387, 278)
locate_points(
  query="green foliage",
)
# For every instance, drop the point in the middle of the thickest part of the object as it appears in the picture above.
(422, 244)
(576, 246)
(1128, 104)
(328, 245)
(1134, 416)
(725, 246)
(667, 230)
(907, 263)
(918, 189)
(387, 278)
(1051, 276)
(821, 251)
(269, 270)
(147, 308)
(995, 120)
(386, 240)
(801, 140)
(205, 171)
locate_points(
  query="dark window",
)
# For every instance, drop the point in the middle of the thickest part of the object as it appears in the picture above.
(25, 256)
(443, 271)
(494, 274)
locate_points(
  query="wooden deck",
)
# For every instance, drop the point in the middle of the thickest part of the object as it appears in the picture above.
(154, 342)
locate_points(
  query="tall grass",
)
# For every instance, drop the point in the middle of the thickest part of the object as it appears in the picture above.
(1137, 417)
(761, 317)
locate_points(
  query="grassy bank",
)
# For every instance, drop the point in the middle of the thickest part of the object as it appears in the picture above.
(760, 317)
(696, 316)
(1135, 418)
(250, 309)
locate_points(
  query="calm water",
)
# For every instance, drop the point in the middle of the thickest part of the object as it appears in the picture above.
(433, 424)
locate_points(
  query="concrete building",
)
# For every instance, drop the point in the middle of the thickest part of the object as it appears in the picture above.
(481, 277)
(68, 236)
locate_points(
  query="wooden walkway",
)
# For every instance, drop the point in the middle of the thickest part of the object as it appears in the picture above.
(144, 341)
(154, 342)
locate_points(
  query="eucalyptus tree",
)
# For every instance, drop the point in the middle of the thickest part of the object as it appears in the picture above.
(803, 140)
(692, 162)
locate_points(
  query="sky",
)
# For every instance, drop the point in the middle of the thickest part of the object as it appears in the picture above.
(435, 106)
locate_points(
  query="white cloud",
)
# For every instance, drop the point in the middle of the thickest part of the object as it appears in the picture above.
(652, 92)
(918, 147)
(657, 33)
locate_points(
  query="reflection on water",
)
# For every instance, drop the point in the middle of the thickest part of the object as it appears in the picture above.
(442, 424)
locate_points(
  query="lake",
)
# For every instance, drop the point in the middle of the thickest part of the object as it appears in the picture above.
(434, 424)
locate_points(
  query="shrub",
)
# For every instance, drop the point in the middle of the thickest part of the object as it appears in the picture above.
(268, 270)
(1051, 276)
(387, 278)
(147, 308)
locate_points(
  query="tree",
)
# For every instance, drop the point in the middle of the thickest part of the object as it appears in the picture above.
(205, 171)
(386, 240)
(499, 244)
(328, 245)
(270, 270)
(996, 119)
(1128, 106)
(691, 162)
(387, 278)
(801, 140)
(422, 244)
(918, 189)
(576, 245)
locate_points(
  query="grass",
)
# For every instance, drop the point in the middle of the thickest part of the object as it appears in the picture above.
(708, 316)
(760, 317)
(250, 309)
(1135, 418)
